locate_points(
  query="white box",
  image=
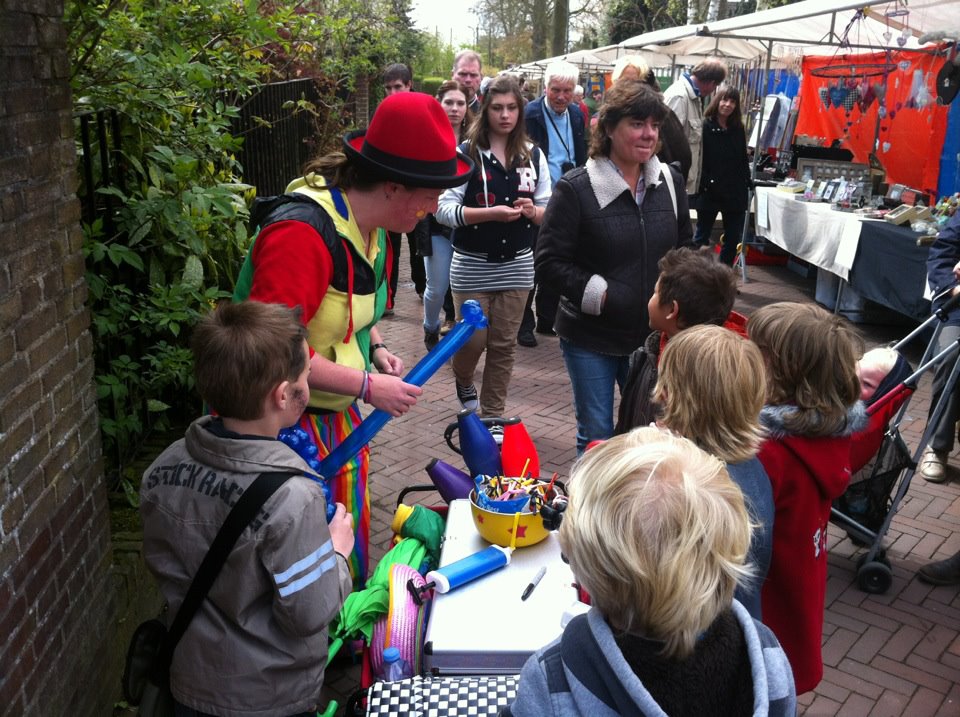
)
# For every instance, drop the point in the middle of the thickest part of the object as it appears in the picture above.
(484, 628)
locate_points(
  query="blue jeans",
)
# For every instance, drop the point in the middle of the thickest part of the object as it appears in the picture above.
(438, 280)
(592, 376)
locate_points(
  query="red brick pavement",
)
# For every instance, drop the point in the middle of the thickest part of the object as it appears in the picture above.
(892, 654)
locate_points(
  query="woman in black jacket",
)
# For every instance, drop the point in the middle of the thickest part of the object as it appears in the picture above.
(605, 228)
(725, 176)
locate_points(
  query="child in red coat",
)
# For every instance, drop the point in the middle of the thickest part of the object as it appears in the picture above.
(812, 410)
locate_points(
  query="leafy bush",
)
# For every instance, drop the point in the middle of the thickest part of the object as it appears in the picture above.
(171, 225)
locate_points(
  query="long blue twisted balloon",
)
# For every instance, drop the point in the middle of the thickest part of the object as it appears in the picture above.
(473, 319)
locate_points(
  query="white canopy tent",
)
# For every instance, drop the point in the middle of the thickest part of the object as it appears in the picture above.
(805, 27)
(600, 59)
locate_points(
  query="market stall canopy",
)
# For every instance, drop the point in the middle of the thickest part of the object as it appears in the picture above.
(807, 27)
(597, 60)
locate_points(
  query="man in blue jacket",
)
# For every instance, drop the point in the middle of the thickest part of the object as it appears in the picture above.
(556, 124)
(943, 272)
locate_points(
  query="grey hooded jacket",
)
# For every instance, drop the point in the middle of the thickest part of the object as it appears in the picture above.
(589, 675)
(257, 646)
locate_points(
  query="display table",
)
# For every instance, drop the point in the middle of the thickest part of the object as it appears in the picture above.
(484, 628)
(879, 261)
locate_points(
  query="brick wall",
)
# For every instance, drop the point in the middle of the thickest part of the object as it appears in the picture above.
(56, 596)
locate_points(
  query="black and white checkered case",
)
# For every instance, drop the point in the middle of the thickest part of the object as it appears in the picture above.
(442, 696)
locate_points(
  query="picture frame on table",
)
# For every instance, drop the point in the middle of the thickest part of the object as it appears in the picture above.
(831, 190)
(841, 190)
(822, 189)
(901, 215)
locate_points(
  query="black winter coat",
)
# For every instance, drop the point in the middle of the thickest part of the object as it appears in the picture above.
(725, 176)
(593, 227)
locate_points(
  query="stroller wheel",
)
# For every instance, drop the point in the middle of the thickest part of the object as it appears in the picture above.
(875, 577)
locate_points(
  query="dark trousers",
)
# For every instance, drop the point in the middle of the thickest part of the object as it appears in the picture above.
(733, 220)
(449, 312)
(942, 438)
(545, 301)
(180, 710)
(417, 273)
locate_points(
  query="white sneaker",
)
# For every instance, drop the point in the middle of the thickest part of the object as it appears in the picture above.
(933, 466)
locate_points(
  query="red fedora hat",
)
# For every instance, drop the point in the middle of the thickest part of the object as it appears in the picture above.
(410, 141)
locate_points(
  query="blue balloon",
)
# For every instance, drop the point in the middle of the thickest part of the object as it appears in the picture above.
(473, 319)
(298, 440)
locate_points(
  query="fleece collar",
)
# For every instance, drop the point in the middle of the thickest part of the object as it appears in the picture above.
(774, 420)
(608, 184)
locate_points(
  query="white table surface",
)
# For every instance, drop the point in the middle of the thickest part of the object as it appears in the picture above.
(812, 231)
(484, 627)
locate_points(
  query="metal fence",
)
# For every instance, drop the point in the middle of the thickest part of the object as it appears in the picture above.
(277, 141)
(98, 140)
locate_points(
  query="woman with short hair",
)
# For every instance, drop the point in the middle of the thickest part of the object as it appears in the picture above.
(606, 227)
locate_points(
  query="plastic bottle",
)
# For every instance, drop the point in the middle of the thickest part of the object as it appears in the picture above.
(395, 668)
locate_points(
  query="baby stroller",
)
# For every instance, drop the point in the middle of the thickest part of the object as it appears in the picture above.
(867, 507)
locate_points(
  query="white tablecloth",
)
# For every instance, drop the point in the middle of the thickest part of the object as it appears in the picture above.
(811, 231)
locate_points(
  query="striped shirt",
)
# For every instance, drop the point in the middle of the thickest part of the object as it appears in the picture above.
(472, 272)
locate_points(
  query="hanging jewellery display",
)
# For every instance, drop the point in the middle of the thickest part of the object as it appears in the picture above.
(861, 84)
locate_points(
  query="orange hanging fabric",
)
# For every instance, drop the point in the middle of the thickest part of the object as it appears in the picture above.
(910, 138)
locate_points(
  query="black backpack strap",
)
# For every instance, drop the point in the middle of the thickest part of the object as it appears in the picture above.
(240, 516)
(293, 206)
(301, 208)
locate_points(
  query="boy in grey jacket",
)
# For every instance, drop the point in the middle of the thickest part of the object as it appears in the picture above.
(657, 534)
(257, 646)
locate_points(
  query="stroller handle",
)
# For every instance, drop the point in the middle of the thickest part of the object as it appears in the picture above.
(949, 306)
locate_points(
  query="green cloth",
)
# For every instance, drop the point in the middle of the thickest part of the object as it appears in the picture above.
(363, 608)
(426, 526)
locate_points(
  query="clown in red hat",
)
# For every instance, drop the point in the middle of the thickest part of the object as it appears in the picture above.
(322, 246)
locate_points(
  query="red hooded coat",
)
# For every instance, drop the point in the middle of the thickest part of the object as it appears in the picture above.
(806, 474)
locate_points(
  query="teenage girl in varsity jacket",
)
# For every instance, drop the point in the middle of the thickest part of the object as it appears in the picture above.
(495, 217)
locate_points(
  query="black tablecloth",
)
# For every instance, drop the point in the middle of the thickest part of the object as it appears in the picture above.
(890, 269)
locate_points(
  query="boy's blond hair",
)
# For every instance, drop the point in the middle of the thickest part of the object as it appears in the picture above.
(811, 359)
(712, 385)
(883, 357)
(657, 533)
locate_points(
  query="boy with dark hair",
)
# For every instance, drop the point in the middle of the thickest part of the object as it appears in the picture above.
(258, 643)
(693, 288)
(397, 78)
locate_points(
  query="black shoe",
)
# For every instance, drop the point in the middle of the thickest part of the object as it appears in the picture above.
(468, 397)
(943, 572)
(430, 339)
(546, 330)
(526, 338)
